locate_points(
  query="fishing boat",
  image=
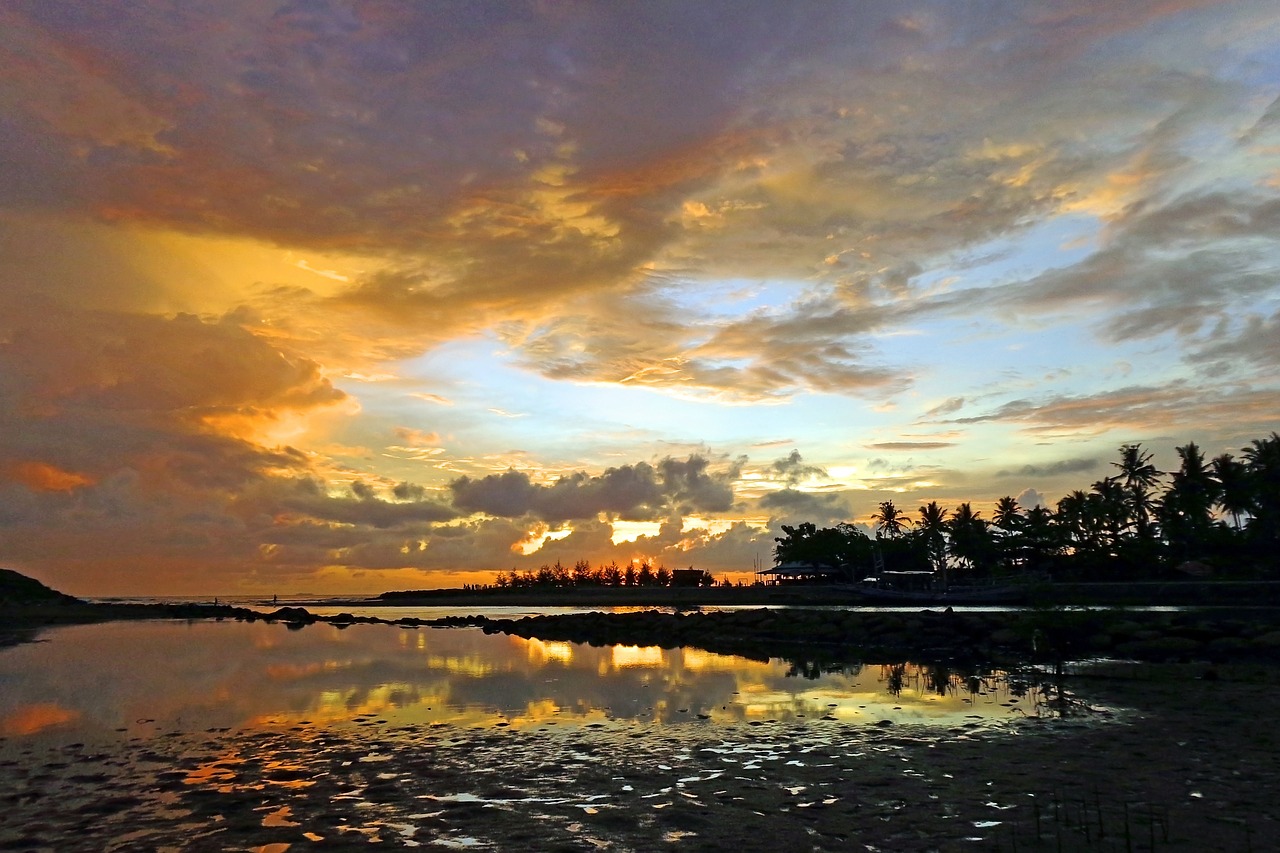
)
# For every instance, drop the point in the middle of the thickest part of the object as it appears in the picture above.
(934, 588)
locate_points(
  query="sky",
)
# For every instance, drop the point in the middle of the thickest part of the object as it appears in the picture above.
(342, 297)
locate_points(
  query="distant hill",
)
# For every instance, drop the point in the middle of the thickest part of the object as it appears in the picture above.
(17, 588)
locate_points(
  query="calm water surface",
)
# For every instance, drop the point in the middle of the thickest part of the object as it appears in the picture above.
(254, 737)
(135, 679)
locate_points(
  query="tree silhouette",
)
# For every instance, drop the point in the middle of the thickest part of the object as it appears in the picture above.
(1008, 515)
(1128, 525)
(1262, 461)
(1040, 541)
(932, 529)
(1235, 496)
(1110, 508)
(1186, 512)
(890, 522)
(1139, 478)
(970, 541)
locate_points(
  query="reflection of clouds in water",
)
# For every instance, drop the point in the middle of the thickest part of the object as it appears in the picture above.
(541, 651)
(627, 656)
(30, 719)
(106, 677)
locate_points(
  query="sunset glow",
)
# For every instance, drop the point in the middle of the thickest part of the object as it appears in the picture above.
(345, 297)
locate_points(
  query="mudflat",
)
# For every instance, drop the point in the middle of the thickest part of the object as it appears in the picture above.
(1164, 757)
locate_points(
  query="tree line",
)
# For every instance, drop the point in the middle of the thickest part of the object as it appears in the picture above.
(1220, 515)
(583, 574)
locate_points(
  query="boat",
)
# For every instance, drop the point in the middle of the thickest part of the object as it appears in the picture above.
(933, 588)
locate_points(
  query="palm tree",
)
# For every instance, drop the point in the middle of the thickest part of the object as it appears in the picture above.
(1108, 501)
(970, 542)
(1262, 461)
(1138, 477)
(1186, 513)
(1079, 521)
(932, 528)
(1040, 536)
(1008, 515)
(890, 521)
(1009, 520)
(1234, 497)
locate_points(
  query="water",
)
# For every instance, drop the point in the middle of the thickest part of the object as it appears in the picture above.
(136, 678)
(255, 736)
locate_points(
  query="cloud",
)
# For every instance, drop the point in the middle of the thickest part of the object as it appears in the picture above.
(432, 398)
(178, 398)
(364, 508)
(1253, 339)
(808, 506)
(792, 470)
(528, 171)
(416, 437)
(1053, 469)
(644, 340)
(911, 445)
(1175, 407)
(1176, 268)
(639, 492)
(1030, 498)
(839, 197)
(948, 407)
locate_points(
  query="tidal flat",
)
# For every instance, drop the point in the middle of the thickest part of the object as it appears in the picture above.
(212, 736)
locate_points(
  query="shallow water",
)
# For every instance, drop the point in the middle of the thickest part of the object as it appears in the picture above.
(253, 736)
(137, 678)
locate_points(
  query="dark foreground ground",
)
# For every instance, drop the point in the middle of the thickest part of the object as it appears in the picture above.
(1168, 759)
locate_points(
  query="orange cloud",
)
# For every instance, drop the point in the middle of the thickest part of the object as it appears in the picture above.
(42, 477)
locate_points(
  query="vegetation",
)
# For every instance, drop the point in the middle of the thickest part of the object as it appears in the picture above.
(1220, 516)
(582, 574)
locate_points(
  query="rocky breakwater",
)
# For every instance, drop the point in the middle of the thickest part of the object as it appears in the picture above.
(942, 635)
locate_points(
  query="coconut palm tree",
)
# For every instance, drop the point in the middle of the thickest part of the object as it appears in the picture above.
(1234, 495)
(970, 541)
(1040, 536)
(932, 529)
(1262, 461)
(1186, 512)
(1109, 502)
(1138, 478)
(1009, 521)
(890, 521)
(1008, 515)
(1078, 521)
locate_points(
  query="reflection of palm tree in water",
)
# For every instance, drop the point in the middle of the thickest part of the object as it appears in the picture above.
(938, 677)
(894, 675)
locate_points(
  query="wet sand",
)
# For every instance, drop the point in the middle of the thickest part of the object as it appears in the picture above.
(1174, 758)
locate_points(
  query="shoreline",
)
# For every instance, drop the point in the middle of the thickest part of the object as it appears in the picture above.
(1187, 593)
(1175, 753)
(1212, 636)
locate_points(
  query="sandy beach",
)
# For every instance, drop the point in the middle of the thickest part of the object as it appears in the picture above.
(1169, 758)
